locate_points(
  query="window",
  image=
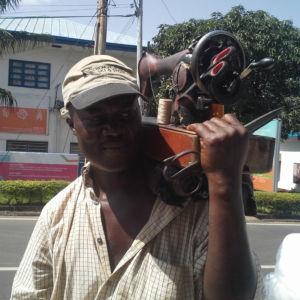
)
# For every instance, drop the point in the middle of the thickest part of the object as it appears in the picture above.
(29, 74)
(74, 149)
(26, 146)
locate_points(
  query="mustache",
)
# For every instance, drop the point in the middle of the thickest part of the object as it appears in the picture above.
(114, 140)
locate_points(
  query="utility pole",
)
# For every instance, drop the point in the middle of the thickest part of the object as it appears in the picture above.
(101, 28)
(139, 14)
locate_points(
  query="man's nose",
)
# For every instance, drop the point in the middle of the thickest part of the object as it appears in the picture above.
(113, 127)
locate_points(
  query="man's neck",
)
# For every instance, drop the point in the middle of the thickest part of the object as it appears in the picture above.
(126, 206)
(128, 183)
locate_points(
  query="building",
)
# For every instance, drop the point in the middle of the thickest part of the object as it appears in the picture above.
(35, 77)
(289, 178)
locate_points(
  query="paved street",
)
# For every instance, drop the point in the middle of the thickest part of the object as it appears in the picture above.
(265, 239)
(14, 235)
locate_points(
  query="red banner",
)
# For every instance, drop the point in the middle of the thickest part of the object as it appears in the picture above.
(31, 171)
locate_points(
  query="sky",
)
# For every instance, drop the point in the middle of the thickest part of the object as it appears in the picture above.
(155, 12)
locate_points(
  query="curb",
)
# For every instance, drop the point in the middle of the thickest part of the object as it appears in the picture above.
(8, 210)
(278, 218)
(268, 220)
(6, 213)
(20, 210)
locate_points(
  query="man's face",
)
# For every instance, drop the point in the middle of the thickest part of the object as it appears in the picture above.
(108, 132)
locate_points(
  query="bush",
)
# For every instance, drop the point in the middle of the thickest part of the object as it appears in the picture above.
(29, 192)
(285, 204)
(40, 192)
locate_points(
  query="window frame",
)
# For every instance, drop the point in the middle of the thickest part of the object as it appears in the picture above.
(23, 73)
(75, 146)
(28, 145)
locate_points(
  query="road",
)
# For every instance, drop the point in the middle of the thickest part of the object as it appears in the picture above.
(265, 239)
(14, 236)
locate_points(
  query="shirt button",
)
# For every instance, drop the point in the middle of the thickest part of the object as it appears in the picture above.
(96, 202)
(108, 283)
(99, 240)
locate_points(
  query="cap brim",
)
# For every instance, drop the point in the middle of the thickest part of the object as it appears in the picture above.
(103, 92)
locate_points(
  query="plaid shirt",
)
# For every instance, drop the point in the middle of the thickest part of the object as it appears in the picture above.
(67, 257)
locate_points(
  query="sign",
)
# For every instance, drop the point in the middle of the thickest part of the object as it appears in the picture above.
(270, 129)
(296, 173)
(268, 182)
(38, 166)
(23, 120)
(263, 182)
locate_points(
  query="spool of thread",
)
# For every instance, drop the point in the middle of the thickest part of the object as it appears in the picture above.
(164, 111)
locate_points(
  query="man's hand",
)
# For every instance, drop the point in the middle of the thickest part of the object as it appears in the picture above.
(224, 146)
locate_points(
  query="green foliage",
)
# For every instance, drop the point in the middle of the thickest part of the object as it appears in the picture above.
(261, 35)
(7, 99)
(40, 192)
(286, 204)
(5, 4)
(29, 192)
(21, 40)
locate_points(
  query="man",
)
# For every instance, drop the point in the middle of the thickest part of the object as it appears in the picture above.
(108, 236)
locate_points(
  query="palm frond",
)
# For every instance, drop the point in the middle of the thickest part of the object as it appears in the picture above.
(7, 99)
(6, 42)
(21, 40)
(6, 4)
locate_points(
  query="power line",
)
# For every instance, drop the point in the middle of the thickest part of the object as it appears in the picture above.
(125, 29)
(127, 26)
(38, 11)
(70, 5)
(168, 10)
(26, 12)
(114, 5)
(56, 5)
(117, 7)
(56, 17)
(123, 4)
(131, 5)
(45, 17)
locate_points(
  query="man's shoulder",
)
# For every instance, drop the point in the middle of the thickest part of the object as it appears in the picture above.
(65, 199)
(196, 212)
(197, 207)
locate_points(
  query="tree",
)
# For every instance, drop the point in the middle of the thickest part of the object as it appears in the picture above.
(16, 41)
(261, 35)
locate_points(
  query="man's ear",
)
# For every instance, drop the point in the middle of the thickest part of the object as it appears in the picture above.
(70, 122)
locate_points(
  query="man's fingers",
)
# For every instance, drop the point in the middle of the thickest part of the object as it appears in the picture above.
(231, 119)
(225, 121)
(216, 125)
(199, 128)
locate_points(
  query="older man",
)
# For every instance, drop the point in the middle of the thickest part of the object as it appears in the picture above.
(108, 236)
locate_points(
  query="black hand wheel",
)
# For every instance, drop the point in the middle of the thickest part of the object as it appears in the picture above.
(218, 59)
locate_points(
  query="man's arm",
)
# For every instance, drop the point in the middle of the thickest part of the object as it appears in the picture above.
(229, 272)
(34, 278)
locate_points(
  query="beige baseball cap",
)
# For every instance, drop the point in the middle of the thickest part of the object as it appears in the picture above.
(96, 78)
